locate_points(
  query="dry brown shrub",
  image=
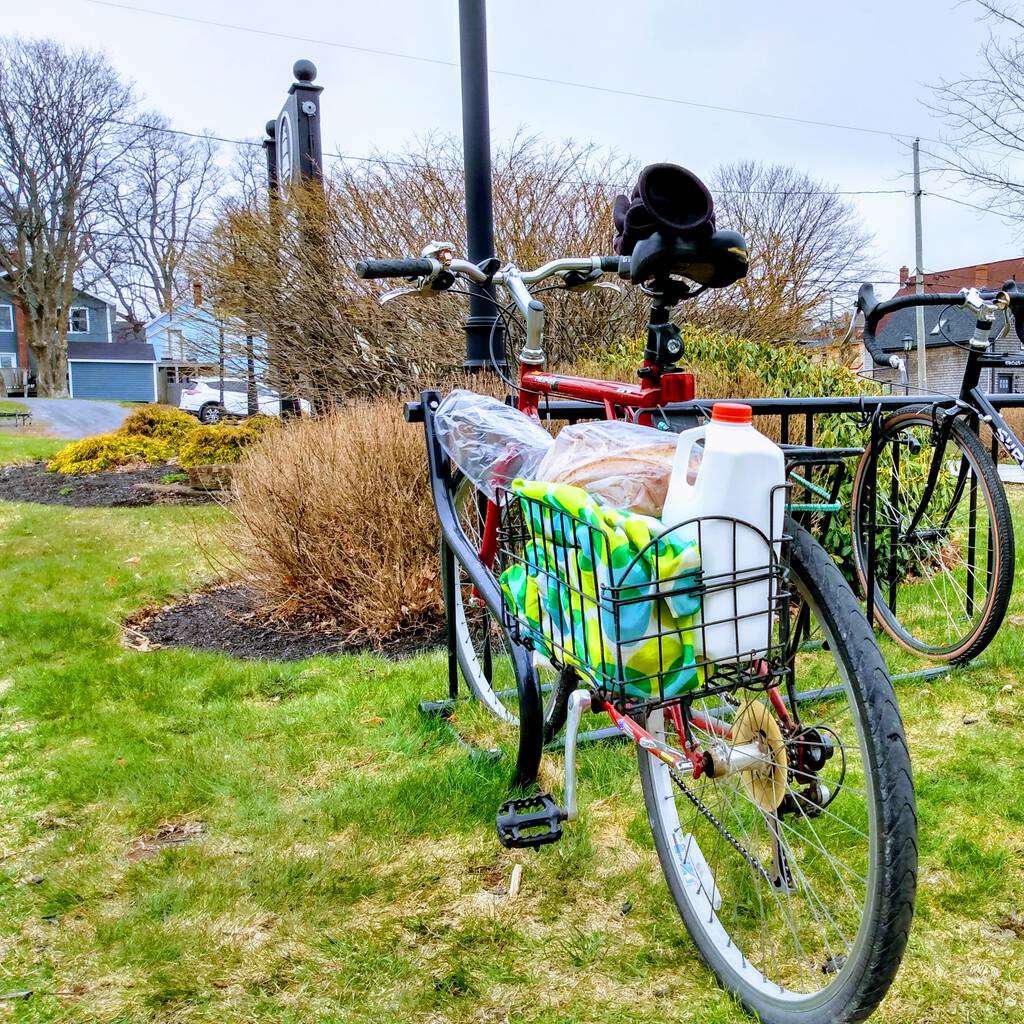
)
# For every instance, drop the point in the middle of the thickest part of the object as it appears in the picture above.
(337, 523)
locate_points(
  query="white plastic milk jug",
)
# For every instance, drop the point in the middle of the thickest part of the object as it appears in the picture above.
(739, 476)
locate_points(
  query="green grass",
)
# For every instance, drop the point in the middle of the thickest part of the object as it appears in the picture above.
(9, 405)
(16, 446)
(346, 867)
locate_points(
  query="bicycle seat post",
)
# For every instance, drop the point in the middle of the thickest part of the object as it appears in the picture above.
(664, 339)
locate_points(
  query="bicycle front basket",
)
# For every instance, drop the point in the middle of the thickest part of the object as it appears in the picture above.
(601, 590)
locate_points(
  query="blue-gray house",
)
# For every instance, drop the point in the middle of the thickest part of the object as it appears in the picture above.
(192, 341)
(100, 365)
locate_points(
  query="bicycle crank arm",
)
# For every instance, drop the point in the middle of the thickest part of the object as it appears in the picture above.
(579, 701)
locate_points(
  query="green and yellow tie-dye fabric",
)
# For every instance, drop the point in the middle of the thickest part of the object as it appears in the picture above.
(576, 546)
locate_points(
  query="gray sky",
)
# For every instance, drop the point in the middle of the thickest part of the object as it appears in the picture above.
(866, 64)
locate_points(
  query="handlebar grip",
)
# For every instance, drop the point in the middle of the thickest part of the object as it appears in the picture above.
(370, 270)
(611, 264)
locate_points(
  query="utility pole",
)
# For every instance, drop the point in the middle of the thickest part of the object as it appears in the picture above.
(482, 323)
(922, 360)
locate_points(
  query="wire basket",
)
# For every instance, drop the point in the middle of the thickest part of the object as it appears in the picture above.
(630, 604)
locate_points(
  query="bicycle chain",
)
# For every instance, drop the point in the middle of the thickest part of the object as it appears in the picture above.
(750, 858)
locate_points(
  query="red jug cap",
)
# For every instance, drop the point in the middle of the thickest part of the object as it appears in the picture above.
(731, 412)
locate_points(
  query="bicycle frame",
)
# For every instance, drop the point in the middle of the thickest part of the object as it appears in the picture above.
(660, 386)
(618, 400)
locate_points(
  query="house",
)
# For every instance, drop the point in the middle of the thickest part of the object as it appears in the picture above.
(192, 341)
(98, 365)
(943, 326)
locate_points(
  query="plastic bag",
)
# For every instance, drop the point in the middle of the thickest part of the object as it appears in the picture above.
(622, 464)
(491, 442)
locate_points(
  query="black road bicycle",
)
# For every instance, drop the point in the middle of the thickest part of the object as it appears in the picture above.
(932, 534)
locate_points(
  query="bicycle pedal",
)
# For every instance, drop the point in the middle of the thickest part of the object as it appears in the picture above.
(530, 822)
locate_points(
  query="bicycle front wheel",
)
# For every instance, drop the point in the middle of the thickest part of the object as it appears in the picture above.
(796, 877)
(944, 554)
(482, 643)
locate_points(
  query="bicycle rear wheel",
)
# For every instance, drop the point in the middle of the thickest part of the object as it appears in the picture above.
(943, 559)
(483, 645)
(796, 877)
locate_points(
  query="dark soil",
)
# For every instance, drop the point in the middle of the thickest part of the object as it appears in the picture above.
(34, 482)
(229, 620)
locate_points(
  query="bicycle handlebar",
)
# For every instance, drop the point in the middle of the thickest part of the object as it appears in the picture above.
(874, 311)
(414, 268)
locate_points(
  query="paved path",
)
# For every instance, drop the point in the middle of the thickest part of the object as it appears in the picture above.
(75, 417)
(1011, 473)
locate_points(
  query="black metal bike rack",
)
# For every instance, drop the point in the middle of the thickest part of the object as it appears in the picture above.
(456, 547)
(870, 409)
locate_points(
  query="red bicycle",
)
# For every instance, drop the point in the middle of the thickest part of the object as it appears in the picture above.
(778, 786)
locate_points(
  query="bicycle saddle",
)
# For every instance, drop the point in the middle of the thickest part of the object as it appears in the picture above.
(667, 227)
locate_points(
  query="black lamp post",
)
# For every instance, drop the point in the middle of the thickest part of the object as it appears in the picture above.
(482, 324)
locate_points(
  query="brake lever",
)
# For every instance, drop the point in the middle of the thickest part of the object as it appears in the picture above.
(397, 293)
(577, 281)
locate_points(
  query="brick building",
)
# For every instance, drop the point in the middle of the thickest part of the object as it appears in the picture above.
(897, 333)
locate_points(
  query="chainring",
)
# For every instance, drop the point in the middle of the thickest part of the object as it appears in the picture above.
(765, 783)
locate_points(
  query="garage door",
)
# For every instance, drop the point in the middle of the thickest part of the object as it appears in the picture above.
(127, 382)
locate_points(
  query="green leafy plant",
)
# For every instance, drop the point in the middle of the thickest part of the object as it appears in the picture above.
(174, 478)
(108, 451)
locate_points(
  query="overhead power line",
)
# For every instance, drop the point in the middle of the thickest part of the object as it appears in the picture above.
(963, 202)
(521, 75)
(397, 162)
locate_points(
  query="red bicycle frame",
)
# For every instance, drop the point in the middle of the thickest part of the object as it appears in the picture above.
(620, 401)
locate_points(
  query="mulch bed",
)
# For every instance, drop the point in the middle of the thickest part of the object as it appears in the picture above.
(228, 619)
(118, 488)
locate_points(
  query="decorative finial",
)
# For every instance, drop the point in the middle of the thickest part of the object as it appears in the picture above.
(271, 129)
(304, 71)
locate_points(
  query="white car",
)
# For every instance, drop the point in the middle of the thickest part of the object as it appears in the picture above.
(210, 398)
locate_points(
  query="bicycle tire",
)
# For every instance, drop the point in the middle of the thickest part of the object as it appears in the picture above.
(856, 987)
(469, 634)
(968, 629)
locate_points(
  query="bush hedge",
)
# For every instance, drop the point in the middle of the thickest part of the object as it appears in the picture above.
(109, 451)
(161, 421)
(156, 433)
(211, 445)
(337, 523)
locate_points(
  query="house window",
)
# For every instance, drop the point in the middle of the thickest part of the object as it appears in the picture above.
(1004, 383)
(8, 360)
(6, 318)
(78, 322)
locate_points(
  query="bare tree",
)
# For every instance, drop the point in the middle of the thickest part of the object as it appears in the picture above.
(63, 117)
(984, 112)
(157, 204)
(299, 286)
(806, 246)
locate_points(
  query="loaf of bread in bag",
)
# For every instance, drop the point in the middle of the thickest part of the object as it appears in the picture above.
(625, 465)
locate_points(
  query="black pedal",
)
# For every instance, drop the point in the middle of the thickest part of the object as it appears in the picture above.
(530, 821)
